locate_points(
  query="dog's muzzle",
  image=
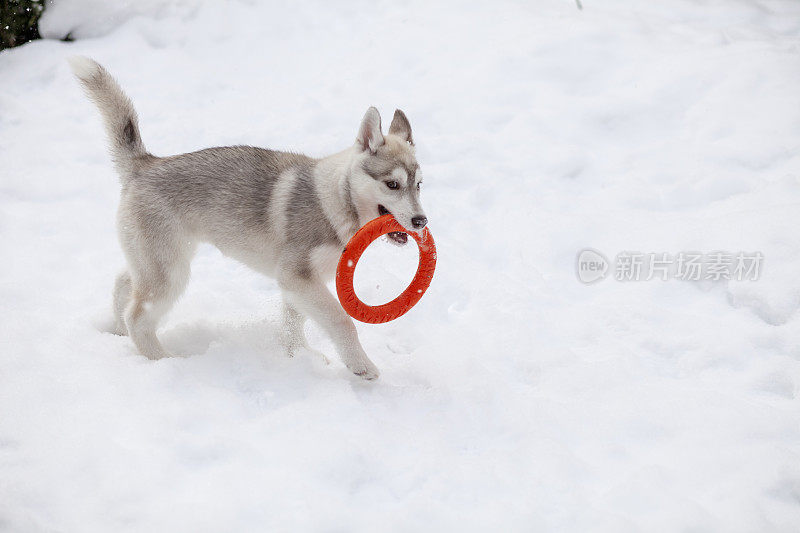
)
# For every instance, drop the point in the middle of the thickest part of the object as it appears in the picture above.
(397, 237)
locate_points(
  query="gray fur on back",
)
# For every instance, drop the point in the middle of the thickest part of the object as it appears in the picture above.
(224, 196)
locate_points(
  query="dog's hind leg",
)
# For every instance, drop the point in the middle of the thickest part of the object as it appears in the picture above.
(122, 295)
(158, 258)
(154, 290)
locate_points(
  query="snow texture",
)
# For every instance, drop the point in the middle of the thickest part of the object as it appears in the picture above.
(512, 397)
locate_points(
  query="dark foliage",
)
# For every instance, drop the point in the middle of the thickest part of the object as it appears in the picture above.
(19, 21)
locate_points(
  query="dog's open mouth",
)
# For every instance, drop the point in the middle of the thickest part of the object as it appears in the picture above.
(397, 237)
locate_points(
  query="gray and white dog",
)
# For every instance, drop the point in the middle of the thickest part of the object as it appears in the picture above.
(284, 214)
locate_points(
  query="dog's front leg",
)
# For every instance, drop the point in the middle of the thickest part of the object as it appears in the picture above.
(312, 298)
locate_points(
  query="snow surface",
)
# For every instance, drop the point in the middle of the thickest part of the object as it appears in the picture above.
(512, 397)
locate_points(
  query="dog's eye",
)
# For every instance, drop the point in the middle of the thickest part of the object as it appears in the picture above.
(392, 184)
(419, 185)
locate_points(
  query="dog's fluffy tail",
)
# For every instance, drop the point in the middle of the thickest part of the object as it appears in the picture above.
(119, 116)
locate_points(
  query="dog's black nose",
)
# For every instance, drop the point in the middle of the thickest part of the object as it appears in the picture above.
(419, 221)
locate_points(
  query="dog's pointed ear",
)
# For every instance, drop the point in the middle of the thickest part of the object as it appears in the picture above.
(370, 136)
(401, 126)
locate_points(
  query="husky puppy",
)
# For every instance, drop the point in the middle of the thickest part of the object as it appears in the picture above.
(284, 214)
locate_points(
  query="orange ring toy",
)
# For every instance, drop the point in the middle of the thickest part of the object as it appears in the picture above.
(378, 314)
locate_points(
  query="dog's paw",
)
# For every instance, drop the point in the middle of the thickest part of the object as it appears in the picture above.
(364, 369)
(110, 325)
(156, 355)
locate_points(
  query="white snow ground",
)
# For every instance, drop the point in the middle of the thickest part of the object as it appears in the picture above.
(512, 397)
